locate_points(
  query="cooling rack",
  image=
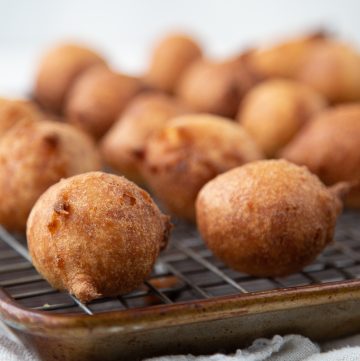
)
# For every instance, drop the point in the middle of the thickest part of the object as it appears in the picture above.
(188, 290)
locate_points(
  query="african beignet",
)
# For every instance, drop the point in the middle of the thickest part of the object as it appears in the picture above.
(284, 58)
(333, 69)
(267, 218)
(33, 156)
(188, 152)
(96, 235)
(215, 87)
(57, 71)
(98, 97)
(124, 144)
(329, 146)
(275, 110)
(170, 59)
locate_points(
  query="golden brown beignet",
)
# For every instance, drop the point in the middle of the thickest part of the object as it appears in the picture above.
(123, 145)
(284, 58)
(188, 152)
(96, 235)
(267, 218)
(215, 88)
(98, 97)
(275, 110)
(329, 146)
(170, 59)
(33, 156)
(333, 69)
(57, 71)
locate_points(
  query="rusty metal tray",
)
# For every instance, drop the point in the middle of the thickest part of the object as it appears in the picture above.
(192, 303)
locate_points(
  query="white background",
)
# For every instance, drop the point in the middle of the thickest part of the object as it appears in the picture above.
(125, 30)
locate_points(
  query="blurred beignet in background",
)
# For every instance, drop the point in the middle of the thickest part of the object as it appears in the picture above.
(170, 58)
(275, 110)
(215, 87)
(123, 146)
(33, 156)
(58, 69)
(333, 69)
(283, 59)
(188, 152)
(96, 235)
(330, 147)
(98, 97)
(268, 218)
(13, 110)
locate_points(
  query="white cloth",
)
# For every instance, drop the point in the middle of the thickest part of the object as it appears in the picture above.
(287, 348)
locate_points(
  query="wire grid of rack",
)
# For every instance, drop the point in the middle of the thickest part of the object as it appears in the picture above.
(186, 271)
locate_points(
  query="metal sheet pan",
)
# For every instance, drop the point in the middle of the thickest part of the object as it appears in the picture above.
(192, 303)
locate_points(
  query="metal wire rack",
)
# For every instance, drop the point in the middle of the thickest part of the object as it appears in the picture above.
(186, 271)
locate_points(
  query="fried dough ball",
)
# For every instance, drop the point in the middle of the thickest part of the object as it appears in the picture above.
(58, 70)
(215, 88)
(170, 59)
(13, 110)
(96, 235)
(283, 59)
(329, 147)
(333, 69)
(275, 110)
(267, 218)
(98, 97)
(188, 152)
(33, 156)
(123, 146)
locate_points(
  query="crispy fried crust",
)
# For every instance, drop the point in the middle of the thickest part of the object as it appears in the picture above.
(267, 218)
(58, 70)
(189, 151)
(170, 59)
(98, 97)
(275, 110)
(329, 147)
(124, 144)
(33, 156)
(96, 235)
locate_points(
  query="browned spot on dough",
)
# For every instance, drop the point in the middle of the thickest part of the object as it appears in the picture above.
(53, 226)
(154, 169)
(52, 140)
(62, 207)
(128, 199)
(139, 154)
(60, 263)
